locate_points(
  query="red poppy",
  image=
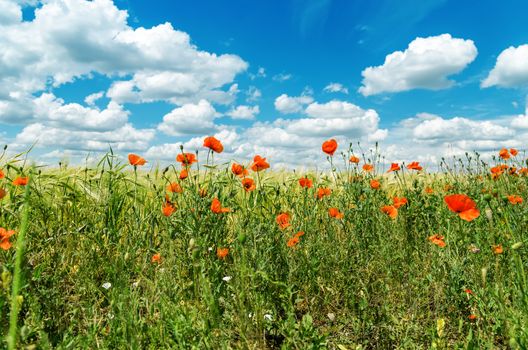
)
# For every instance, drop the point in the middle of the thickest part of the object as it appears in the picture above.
(136, 160)
(468, 291)
(335, 213)
(186, 158)
(305, 182)
(167, 209)
(472, 317)
(504, 153)
(174, 187)
(394, 167)
(515, 199)
(248, 184)
(429, 190)
(239, 170)
(399, 202)
(2, 175)
(184, 174)
(214, 144)
(4, 238)
(283, 220)
(390, 210)
(292, 242)
(299, 234)
(354, 159)
(414, 166)
(323, 192)
(513, 152)
(221, 253)
(437, 240)
(156, 258)
(375, 184)
(368, 167)
(216, 207)
(259, 163)
(329, 147)
(463, 205)
(3, 193)
(523, 171)
(21, 181)
(497, 249)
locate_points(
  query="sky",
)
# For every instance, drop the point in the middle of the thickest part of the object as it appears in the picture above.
(423, 80)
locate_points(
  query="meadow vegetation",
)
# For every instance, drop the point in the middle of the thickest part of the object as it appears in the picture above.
(201, 255)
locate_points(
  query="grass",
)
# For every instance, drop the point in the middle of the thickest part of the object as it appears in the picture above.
(366, 281)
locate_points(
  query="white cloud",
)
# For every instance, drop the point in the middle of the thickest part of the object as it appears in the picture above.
(71, 39)
(253, 94)
(92, 98)
(521, 121)
(336, 87)
(244, 112)
(511, 68)
(189, 119)
(287, 105)
(282, 77)
(426, 63)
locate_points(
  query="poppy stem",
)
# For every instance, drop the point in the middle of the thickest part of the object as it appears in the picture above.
(15, 300)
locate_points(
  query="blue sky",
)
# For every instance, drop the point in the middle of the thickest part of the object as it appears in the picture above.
(424, 79)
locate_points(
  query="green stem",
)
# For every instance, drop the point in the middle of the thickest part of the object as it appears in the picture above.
(15, 304)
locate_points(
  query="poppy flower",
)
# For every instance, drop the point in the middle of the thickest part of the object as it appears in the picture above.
(184, 174)
(323, 192)
(174, 187)
(186, 159)
(512, 170)
(299, 234)
(504, 153)
(390, 210)
(335, 213)
(216, 207)
(221, 253)
(394, 167)
(354, 159)
(238, 170)
(437, 240)
(497, 170)
(3, 193)
(136, 160)
(2, 175)
(414, 166)
(515, 199)
(156, 258)
(472, 317)
(248, 184)
(21, 181)
(429, 190)
(468, 291)
(399, 202)
(4, 238)
(292, 242)
(497, 249)
(368, 167)
(213, 144)
(463, 205)
(283, 220)
(514, 152)
(167, 209)
(305, 182)
(259, 163)
(329, 147)
(523, 171)
(374, 184)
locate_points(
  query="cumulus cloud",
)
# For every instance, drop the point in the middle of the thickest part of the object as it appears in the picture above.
(426, 63)
(336, 87)
(71, 39)
(282, 77)
(287, 105)
(511, 68)
(189, 119)
(244, 112)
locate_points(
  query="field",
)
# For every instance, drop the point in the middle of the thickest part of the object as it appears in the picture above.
(196, 256)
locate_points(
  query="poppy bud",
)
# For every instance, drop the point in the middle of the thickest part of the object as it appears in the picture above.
(242, 238)
(517, 245)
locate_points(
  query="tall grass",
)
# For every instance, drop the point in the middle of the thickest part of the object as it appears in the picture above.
(366, 281)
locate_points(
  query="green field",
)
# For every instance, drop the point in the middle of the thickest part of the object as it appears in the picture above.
(102, 265)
